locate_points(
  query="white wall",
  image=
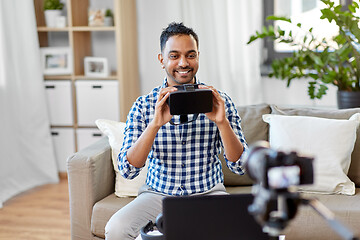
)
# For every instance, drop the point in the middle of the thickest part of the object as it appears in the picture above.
(275, 92)
(152, 17)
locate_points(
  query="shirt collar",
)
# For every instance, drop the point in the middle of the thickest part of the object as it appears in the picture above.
(165, 83)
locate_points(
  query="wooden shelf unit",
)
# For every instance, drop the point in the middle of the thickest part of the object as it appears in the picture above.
(80, 43)
(79, 34)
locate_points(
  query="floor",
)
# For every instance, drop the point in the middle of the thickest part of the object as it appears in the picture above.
(41, 213)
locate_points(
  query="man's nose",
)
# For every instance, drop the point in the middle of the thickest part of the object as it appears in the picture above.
(183, 62)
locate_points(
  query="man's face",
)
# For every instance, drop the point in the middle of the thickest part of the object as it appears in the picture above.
(180, 59)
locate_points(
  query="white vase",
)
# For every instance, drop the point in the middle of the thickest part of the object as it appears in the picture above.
(51, 17)
(108, 21)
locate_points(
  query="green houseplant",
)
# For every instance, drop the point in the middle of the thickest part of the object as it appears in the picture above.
(108, 20)
(53, 5)
(327, 61)
(52, 10)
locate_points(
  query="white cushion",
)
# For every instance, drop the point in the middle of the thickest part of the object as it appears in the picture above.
(329, 141)
(115, 132)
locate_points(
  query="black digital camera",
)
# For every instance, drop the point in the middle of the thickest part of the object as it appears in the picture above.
(189, 99)
(278, 170)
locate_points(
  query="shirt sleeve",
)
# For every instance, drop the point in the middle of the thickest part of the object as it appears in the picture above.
(135, 126)
(235, 122)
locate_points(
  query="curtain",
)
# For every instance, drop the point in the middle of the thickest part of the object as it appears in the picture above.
(226, 61)
(26, 153)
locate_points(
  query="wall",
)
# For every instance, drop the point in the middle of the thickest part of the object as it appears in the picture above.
(275, 91)
(152, 17)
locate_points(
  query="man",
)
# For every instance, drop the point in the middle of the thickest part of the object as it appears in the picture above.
(183, 159)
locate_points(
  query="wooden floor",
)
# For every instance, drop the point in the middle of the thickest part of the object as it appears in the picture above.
(41, 213)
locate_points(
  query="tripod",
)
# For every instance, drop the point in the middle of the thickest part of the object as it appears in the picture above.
(324, 212)
(274, 218)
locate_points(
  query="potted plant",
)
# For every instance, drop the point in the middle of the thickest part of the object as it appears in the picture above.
(108, 20)
(333, 61)
(52, 10)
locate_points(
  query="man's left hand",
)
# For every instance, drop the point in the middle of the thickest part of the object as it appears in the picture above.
(217, 115)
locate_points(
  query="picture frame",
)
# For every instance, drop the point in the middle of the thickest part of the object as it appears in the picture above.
(96, 67)
(96, 17)
(56, 60)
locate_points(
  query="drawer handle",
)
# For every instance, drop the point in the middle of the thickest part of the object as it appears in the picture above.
(97, 134)
(54, 133)
(96, 86)
(50, 86)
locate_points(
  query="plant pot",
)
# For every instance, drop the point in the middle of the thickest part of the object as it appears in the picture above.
(347, 99)
(108, 21)
(51, 17)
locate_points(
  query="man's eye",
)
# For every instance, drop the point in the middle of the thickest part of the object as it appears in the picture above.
(192, 55)
(173, 56)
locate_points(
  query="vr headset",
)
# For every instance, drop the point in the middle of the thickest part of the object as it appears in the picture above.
(189, 99)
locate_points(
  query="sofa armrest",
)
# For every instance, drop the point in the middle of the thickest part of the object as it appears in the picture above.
(91, 178)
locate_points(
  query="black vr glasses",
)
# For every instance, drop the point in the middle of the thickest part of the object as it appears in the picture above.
(189, 99)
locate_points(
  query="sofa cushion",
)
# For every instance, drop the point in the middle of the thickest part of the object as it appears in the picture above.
(254, 130)
(354, 170)
(115, 133)
(318, 138)
(103, 210)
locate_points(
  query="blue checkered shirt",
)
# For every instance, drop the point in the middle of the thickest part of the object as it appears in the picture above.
(183, 159)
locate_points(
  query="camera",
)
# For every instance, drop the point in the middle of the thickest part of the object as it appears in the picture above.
(275, 173)
(277, 169)
(189, 99)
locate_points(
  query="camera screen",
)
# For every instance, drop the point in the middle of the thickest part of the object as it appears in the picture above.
(283, 176)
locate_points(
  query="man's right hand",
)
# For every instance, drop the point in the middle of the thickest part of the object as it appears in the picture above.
(138, 153)
(162, 110)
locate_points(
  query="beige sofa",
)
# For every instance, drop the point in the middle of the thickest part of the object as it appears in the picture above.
(91, 182)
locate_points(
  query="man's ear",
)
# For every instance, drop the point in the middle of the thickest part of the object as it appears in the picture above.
(161, 59)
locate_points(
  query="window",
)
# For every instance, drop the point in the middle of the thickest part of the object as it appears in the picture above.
(305, 11)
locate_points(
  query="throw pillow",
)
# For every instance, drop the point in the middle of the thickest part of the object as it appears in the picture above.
(254, 130)
(329, 141)
(115, 133)
(354, 171)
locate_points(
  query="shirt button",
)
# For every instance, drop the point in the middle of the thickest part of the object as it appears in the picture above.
(183, 142)
(183, 165)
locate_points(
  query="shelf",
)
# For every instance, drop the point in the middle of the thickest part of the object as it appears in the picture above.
(82, 40)
(83, 77)
(57, 77)
(91, 29)
(76, 29)
(62, 126)
(47, 29)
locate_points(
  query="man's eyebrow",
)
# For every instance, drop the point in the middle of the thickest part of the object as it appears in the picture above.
(175, 51)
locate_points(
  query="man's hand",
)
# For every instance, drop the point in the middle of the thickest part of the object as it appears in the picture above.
(232, 145)
(138, 153)
(162, 110)
(217, 115)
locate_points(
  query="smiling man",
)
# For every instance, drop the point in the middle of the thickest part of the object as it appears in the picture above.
(183, 159)
(180, 67)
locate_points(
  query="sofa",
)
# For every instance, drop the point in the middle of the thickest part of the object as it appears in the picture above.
(91, 179)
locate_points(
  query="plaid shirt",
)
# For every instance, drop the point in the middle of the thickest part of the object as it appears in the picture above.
(183, 159)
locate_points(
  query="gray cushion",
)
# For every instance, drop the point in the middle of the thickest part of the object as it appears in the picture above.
(103, 210)
(354, 171)
(254, 130)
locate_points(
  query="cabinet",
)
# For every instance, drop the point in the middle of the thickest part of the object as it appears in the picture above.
(92, 96)
(64, 145)
(79, 38)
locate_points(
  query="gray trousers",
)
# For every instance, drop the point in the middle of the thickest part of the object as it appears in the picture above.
(127, 222)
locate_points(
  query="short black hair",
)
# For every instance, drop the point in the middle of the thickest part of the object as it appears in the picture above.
(176, 29)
